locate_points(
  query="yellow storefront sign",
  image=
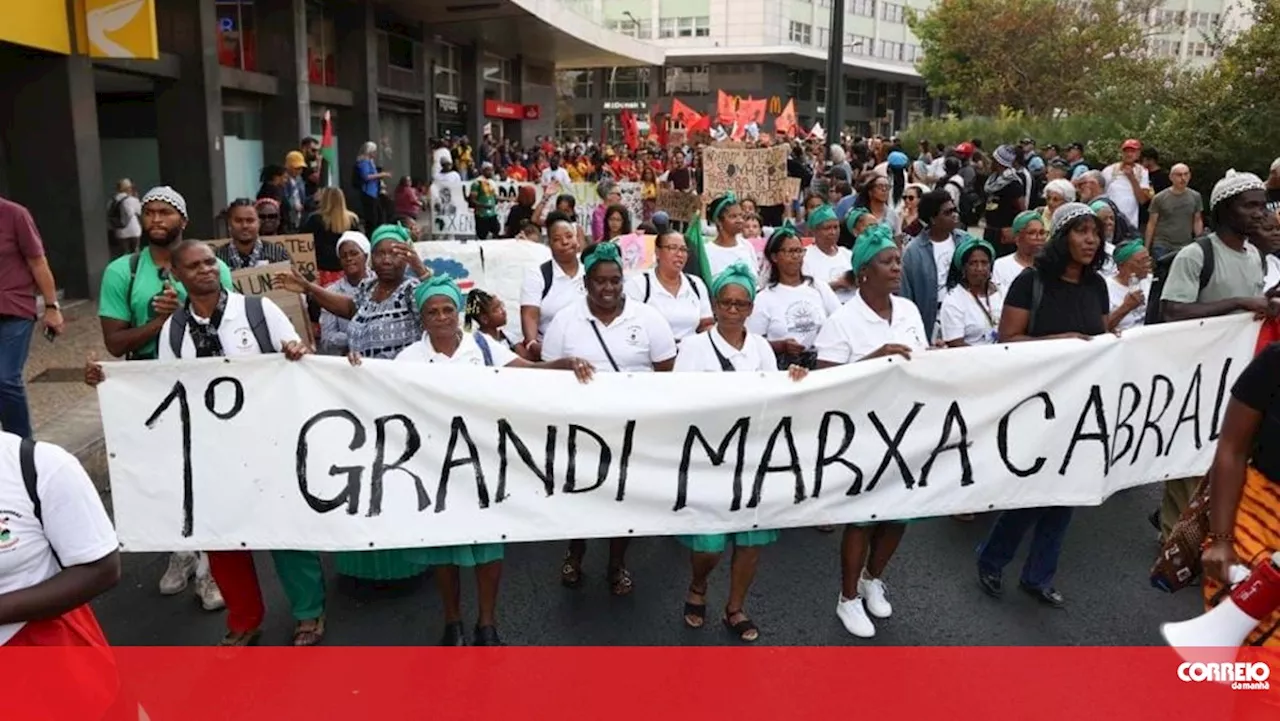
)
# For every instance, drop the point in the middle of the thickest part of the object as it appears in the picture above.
(37, 24)
(121, 29)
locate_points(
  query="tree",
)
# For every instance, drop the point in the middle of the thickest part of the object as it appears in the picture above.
(1040, 57)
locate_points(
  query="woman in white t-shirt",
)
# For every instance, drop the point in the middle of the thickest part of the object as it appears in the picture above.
(970, 312)
(552, 286)
(614, 335)
(681, 298)
(1029, 235)
(1127, 290)
(875, 323)
(791, 306)
(728, 347)
(437, 301)
(729, 245)
(825, 261)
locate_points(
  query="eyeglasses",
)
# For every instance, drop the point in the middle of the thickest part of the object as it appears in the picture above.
(734, 304)
(677, 249)
(791, 251)
(910, 197)
(268, 216)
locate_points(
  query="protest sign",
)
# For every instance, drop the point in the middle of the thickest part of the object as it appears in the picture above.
(678, 204)
(258, 281)
(301, 248)
(452, 216)
(393, 455)
(496, 266)
(756, 173)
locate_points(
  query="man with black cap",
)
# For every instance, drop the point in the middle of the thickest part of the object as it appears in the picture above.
(1075, 160)
(138, 295)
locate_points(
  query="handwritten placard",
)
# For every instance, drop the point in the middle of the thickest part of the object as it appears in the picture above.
(258, 281)
(756, 173)
(678, 204)
(301, 249)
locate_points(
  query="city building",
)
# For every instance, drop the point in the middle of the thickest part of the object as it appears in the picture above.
(216, 89)
(1191, 31)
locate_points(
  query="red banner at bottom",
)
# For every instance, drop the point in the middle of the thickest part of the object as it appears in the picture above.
(194, 684)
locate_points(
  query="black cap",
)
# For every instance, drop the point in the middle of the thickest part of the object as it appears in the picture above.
(1028, 141)
(1059, 163)
(1076, 146)
(1054, 147)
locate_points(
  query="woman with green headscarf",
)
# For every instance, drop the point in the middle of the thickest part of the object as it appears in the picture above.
(875, 323)
(825, 261)
(614, 335)
(728, 246)
(1128, 288)
(436, 302)
(383, 323)
(1030, 231)
(970, 313)
(791, 306)
(728, 347)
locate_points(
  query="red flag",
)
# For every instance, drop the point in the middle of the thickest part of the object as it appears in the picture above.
(659, 122)
(630, 130)
(726, 108)
(751, 111)
(785, 124)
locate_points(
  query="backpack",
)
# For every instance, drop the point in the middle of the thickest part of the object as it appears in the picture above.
(971, 205)
(134, 258)
(116, 219)
(648, 286)
(253, 312)
(27, 460)
(546, 278)
(1155, 311)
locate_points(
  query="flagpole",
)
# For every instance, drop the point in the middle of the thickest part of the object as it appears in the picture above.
(835, 74)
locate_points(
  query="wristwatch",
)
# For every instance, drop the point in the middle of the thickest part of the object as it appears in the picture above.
(53, 306)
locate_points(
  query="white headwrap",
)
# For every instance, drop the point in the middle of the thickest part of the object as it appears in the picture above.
(1233, 184)
(354, 236)
(165, 194)
(1068, 212)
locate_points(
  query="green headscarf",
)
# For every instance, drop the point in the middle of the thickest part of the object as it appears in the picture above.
(872, 242)
(1024, 219)
(851, 219)
(967, 244)
(606, 251)
(1127, 250)
(1098, 206)
(698, 264)
(390, 232)
(824, 214)
(719, 204)
(738, 273)
(437, 285)
(786, 230)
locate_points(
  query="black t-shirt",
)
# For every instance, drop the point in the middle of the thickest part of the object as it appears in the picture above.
(1002, 206)
(680, 178)
(1064, 307)
(326, 242)
(1273, 199)
(1259, 388)
(516, 218)
(771, 216)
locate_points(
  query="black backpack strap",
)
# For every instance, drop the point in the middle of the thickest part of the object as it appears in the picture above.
(605, 346)
(177, 330)
(1207, 266)
(697, 293)
(1037, 295)
(647, 287)
(546, 278)
(134, 258)
(725, 364)
(258, 323)
(27, 459)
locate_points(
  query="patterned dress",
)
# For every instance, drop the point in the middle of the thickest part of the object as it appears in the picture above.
(333, 330)
(382, 330)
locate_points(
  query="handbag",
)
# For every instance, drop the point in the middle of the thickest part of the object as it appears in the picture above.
(1178, 564)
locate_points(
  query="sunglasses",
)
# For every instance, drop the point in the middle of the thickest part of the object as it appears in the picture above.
(910, 196)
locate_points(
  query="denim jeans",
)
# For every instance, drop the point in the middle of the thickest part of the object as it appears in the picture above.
(1046, 543)
(15, 342)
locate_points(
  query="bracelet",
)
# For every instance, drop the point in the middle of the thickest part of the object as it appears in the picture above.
(1220, 537)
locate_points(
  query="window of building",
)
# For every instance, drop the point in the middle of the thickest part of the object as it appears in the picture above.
(793, 83)
(642, 28)
(858, 44)
(685, 27)
(627, 84)
(398, 62)
(448, 71)
(1201, 49)
(892, 12)
(322, 45)
(889, 50)
(821, 88)
(916, 98)
(574, 83)
(800, 33)
(402, 52)
(824, 37)
(865, 8)
(687, 80)
(237, 46)
(579, 127)
(498, 75)
(855, 92)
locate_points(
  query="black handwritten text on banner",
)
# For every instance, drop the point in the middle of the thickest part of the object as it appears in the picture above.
(331, 457)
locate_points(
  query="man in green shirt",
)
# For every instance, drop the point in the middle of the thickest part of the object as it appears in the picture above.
(484, 198)
(138, 295)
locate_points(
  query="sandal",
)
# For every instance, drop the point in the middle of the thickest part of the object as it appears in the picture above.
(695, 614)
(309, 633)
(746, 629)
(248, 638)
(620, 583)
(571, 572)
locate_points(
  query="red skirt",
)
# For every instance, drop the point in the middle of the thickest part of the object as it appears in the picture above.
(66, 664)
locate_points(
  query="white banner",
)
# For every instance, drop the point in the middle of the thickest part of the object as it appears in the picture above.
(268, 454)
(452, 215)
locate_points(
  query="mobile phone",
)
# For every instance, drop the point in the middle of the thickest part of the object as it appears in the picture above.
(49, 335)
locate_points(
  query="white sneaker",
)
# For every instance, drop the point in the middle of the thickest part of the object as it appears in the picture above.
(182, 566)
(871, 590)
(854, 617)
(209, 595)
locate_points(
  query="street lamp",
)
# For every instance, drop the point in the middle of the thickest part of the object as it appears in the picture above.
(835, 71)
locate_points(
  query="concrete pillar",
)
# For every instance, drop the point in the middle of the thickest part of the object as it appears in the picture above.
(49, 127)
(599, 95)
(473, 89)
(357, 72)
(189, 113)
(282, 52)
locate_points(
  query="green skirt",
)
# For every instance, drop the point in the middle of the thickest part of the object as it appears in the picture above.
(389, 565)
(716, 542)
(469, 556)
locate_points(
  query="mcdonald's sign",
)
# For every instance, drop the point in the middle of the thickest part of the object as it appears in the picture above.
(775, 105)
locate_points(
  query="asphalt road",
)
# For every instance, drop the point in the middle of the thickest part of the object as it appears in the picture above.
(931, 581)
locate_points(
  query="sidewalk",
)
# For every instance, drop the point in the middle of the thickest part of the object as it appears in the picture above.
(64, 410)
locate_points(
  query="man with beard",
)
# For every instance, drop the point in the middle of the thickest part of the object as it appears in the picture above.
(138, 295)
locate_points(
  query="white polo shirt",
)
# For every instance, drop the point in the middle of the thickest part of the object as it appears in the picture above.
(75, 523)
(468, 352)
(697, 354)
(964, 317)
(234, 331)
(720, 257)
(796, 312)
(565, 290)
(827, 268)
(856, 331)
(1004, 270)
(1120, 190)
(683, 311)
(638, 338)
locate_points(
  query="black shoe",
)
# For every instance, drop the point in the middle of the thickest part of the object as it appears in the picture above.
(453, 635)
(488, 636)
(991, 584)
(1047, 596)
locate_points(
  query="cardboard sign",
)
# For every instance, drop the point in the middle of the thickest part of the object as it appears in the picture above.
(258, 281)
(678, 204)
(301, 249)
(756, 173)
